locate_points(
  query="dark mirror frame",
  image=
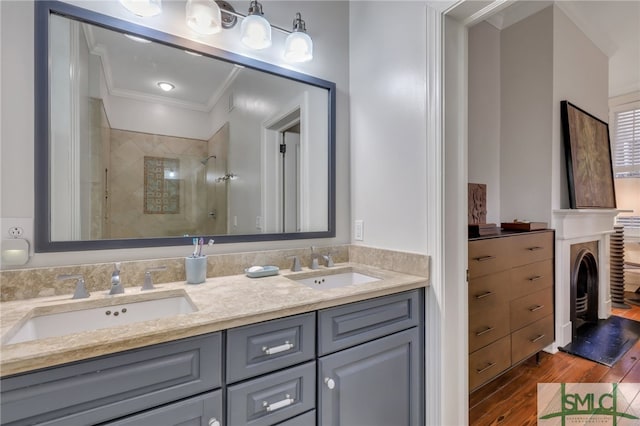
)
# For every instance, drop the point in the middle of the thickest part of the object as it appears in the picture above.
(42, 225)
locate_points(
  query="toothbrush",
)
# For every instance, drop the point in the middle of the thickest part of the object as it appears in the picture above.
(200, 244)
(195, 247)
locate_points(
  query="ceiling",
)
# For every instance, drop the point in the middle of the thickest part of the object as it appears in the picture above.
(612, 25)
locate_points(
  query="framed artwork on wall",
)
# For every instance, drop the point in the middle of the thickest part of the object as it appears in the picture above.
(588, 159)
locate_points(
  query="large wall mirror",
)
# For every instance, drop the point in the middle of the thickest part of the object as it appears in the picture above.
(147, 139)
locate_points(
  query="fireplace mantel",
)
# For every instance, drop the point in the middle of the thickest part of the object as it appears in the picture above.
(574, 226)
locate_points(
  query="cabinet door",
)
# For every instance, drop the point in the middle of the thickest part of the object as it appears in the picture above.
(203, 410)
(373, 384)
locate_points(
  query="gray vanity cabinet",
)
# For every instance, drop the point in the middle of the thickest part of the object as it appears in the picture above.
(377, 383)
(110, 387)
(278, 359)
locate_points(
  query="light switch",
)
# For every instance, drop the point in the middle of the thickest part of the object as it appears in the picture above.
(358, 230)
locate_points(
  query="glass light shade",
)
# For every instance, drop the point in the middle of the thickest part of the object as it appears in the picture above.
(298, 47)
(203, 16)
(256, 32)
(143, 8)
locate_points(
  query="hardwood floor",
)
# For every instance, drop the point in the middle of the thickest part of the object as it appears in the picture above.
(511, 399)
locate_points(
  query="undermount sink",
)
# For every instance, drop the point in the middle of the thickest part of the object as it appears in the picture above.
(40, 326)
(332, 279)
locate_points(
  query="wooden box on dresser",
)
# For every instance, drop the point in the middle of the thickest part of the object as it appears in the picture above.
(511, 303)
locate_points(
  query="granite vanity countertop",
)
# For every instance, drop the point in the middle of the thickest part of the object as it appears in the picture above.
(221, 302)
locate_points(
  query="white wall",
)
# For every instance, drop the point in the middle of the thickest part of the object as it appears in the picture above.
(581, 76)
(388, 131)
(484, 113)
(327, 23)
(526, 118)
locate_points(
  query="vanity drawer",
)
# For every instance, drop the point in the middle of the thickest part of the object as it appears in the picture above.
(101, 389)
(273, 398)
(531, 278)
(531, 339)
(268, 346)
(202, 410)
(533, 307)
(486, 327)
(488, 293)
(488, 362)
(348, 325)
(306, 419)
(487, 256)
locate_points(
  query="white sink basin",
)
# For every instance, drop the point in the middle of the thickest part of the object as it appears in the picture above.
(326, 280)
(75, 321)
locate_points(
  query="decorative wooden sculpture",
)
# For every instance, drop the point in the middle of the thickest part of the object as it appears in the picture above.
(477, 203)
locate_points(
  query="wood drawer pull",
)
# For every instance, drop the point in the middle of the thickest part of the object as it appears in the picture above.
(536, 278)
(484, 258)
(537, 338)
(485, 331)
(536, 308)
(534, 248)
(482, 370)
(483, 295)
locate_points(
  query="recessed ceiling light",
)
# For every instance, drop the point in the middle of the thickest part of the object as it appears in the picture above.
(166, 86)
(138, 39)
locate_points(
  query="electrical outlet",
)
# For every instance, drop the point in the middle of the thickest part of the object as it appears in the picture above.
(16, 232)
(358, 230)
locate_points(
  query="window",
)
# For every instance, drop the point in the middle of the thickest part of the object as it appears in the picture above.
(626, 143)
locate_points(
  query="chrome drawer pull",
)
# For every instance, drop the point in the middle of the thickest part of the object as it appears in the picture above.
(482, 370)
(277, 349)
(536, 308)
(483, 295)
(536, 278)
(280, 404)
(537, 338)
(534, 248)
(484, 258)
(485, 331)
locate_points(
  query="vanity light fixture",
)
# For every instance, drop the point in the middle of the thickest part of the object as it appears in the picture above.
(204, 16)
(167, 87)
(298, 47)
(209, 17)
(144, 8)
(255, 29)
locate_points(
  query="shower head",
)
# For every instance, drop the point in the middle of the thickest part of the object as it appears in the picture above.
(204, 161)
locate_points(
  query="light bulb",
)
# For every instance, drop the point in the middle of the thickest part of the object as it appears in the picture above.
(203, 16)
(255, 29)
(144, 8)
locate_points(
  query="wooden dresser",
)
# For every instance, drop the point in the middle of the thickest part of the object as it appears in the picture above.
(511, 307)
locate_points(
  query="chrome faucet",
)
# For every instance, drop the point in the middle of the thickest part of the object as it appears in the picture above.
(327, 258)
(81, 291)
(148, 281)
(295, 267)
(314, 258)
(116, 286)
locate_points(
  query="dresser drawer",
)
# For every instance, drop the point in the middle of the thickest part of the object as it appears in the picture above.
(488, 362)
(532, 338)
(355, 323)
(533, 307)
(488, 293)
(101, 389)
(273, 398)
(527, 248)
(487, 327)
(268, 346)
(530, 278)
(487, 256)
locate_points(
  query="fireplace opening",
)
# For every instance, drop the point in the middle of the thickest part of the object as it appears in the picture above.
(584, 284)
